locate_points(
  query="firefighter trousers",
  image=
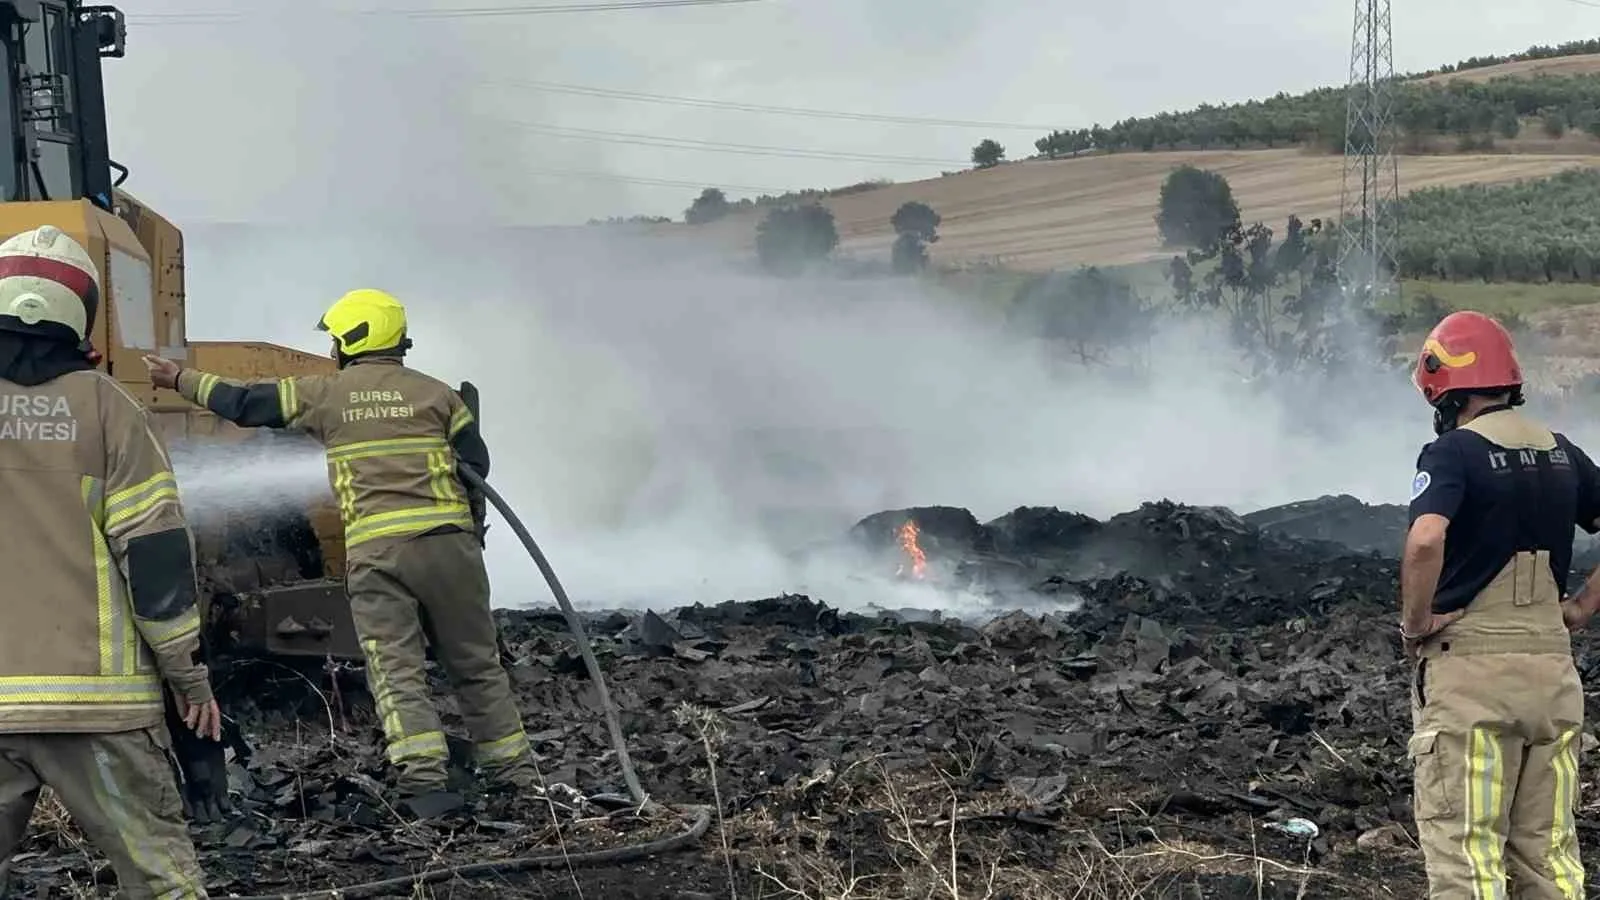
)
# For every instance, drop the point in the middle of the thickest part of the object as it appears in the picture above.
(121, 790)
(1497, 710)
(435, 585)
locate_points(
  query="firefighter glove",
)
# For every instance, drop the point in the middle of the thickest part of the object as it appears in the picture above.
(202, 763)
(205, 779)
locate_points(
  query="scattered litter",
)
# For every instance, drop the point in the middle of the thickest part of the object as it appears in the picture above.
(1301, 828)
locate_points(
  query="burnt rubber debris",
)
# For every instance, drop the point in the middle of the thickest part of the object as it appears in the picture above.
(1186, 703)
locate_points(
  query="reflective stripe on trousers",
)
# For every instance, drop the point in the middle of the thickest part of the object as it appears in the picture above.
(400, 745)
(506, 750)
(1497, 708)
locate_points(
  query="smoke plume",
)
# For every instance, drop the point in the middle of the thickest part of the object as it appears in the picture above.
(672, 427)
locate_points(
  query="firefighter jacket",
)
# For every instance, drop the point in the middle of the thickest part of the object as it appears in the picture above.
(102, 601)
(393, 437)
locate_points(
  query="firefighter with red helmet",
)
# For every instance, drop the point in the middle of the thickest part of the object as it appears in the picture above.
(1497, 707)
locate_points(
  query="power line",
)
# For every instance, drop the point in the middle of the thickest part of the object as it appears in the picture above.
(672, 143)
(655, 182)
(201, 17)
(615, 94)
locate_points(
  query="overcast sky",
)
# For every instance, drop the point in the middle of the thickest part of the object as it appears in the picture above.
(250, 115)
(618, 386)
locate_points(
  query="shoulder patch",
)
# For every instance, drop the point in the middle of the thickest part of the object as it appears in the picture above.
(1419, 484)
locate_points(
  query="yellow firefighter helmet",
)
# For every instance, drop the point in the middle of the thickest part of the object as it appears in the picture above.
(366, 320)
(48, 283)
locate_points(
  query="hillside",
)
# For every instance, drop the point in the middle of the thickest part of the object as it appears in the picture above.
(1044, 214)
(1560, 66)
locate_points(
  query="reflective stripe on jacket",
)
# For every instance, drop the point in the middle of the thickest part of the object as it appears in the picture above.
(101, 601)
(393, 436)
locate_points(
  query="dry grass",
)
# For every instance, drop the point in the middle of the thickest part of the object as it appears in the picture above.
(1045, 214)
(50, 818)
(52, 822)
(1588, 64)
(709, 727)
(1560, 350)
(929, 846)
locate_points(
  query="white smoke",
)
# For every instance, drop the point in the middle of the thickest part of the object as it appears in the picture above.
(672, 427)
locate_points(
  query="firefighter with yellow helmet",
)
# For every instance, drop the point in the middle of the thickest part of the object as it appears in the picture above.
(413, 534)
(101, 605)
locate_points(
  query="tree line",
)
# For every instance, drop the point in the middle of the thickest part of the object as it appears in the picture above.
(1535, 230)
(1538, 230)
(1537, 51)
(1474, 114)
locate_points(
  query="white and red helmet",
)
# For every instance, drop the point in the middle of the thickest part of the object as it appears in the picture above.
(48, 282)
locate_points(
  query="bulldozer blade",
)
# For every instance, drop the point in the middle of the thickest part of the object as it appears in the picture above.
(305, 619)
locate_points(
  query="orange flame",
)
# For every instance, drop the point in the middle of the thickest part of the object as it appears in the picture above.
(908, 543)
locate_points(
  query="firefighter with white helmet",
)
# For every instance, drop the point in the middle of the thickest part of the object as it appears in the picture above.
(100, 605)
(413, 533)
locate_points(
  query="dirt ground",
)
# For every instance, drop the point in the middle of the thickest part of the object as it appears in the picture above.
(1194, 704)
(1043, 214)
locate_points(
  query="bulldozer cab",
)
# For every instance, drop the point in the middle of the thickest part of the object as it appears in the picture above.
(271, 580)
(55, 119)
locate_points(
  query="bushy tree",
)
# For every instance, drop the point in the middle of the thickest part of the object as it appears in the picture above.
(917, 218)
(792, 237)
(988, 154)
(711, 205)
(1091, 312)
(1057, 144)
(916, 226)
(1196, 209)
(1282, 301)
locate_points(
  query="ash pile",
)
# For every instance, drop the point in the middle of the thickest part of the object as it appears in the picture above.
(1174, 702)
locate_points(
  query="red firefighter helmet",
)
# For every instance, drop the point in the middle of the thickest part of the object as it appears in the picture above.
(1466, 351)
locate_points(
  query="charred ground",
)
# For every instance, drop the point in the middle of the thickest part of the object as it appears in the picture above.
(1187, 691)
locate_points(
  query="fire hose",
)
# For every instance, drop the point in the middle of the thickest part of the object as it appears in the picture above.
(698, 826)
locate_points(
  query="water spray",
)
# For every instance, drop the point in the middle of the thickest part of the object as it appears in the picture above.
(287, 473)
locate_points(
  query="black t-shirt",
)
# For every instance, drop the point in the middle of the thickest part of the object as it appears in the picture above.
(1501, 502)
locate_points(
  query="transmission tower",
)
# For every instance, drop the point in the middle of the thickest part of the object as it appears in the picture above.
(1368, 225)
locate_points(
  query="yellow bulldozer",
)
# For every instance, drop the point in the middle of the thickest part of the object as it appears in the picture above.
(270, 584)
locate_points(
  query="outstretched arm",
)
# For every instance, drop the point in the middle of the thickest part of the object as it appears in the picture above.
(272, 403)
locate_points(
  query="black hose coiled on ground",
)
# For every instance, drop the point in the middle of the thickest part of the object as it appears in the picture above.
(697, 827)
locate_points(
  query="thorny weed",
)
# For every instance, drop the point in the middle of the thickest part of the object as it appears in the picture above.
(712, 731)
